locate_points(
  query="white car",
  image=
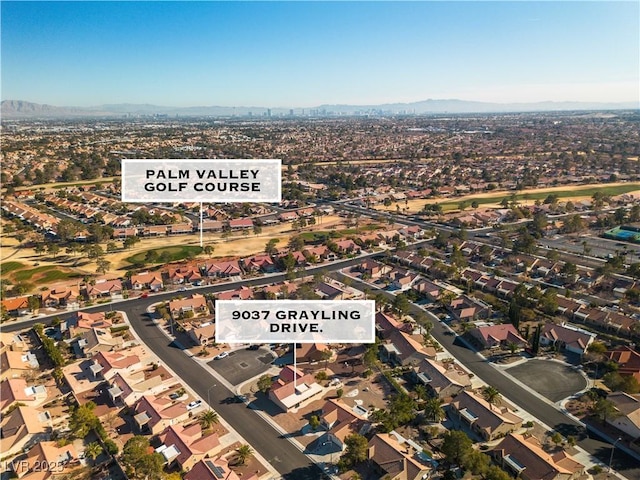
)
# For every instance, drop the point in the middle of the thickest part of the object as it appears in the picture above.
(222, 355)
(194, 404)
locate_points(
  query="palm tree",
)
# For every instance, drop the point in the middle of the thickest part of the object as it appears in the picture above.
(421, 392)
(491, 395)
(243, 452)
(433, 409)
(208, 419)
(93, 450)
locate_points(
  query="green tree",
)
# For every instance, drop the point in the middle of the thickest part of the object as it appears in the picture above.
(456, 446)
(433, 410)
(355, 452)
(139, 463)
(93, 450)
(496, 473)
(477, 462)
(264, 383)
(314, 422)
(604, 409)
(557, 438)
(82, 420)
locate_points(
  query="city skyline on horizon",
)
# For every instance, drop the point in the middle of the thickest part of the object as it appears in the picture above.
(303, 55)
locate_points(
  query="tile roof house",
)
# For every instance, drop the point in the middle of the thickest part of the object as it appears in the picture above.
(443, 380)
(488, 421)
(387, 324)
(22, 428)
(524, 457)
(16, 305)
(149, 280)
(396, 461)
(215, 469)
(154, 414)
(627, 359)
(628, 420)
(17, 364)
(290, 395)
(61, 296)
(13, 390)
(46, 453)
(196, 303)
(222, 269)
(566, 337)
(403, 349)
(202, 334)
(495, 336)
(185, 446)
(106, 288)
(339, 420)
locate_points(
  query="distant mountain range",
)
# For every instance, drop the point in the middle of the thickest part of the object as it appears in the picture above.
(24, 109)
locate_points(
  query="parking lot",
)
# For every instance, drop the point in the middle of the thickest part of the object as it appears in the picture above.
(243, 364)
(554, 380)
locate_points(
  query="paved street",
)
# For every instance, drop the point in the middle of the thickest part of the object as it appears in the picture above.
(281, 453)
(539, 408)
(241, 365)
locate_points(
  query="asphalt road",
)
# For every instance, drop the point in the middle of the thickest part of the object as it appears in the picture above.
(290, 462)
(539, 408)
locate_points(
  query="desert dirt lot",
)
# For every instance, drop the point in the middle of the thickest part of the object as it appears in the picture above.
(238, 244)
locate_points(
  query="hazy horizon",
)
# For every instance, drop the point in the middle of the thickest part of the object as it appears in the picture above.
(306, 54)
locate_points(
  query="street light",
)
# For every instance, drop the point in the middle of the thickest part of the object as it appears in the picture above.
(209, 391)
(613, 449)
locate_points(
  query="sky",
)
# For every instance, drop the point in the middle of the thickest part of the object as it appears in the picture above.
(304, 54)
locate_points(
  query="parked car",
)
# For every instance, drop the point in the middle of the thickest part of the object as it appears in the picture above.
(194, 404)
(222, 355)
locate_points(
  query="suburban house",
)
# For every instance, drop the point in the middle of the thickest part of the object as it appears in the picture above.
(22, 428)
(397, 461)
(293, 389)
(386, 325)
(443, 380)
(215, 469)
(46, 453)
(15, 390)
(488, 421)
(403, 349)
(150, 280)
(154, 414)
(107, 364)
(16, 306)
(496, 336)
(628, 406)
(627, 359)
(202, 334)
(241, 293)
(12, 342)
(566, 337)
(96, 340)
(222, 269)
(312, 352)
(127, 388)
(185, 446)
(104, 289)
(184, 275)
(17, 364)
(524, 457)
(196, 304)
(340, 421)
(61, 296)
